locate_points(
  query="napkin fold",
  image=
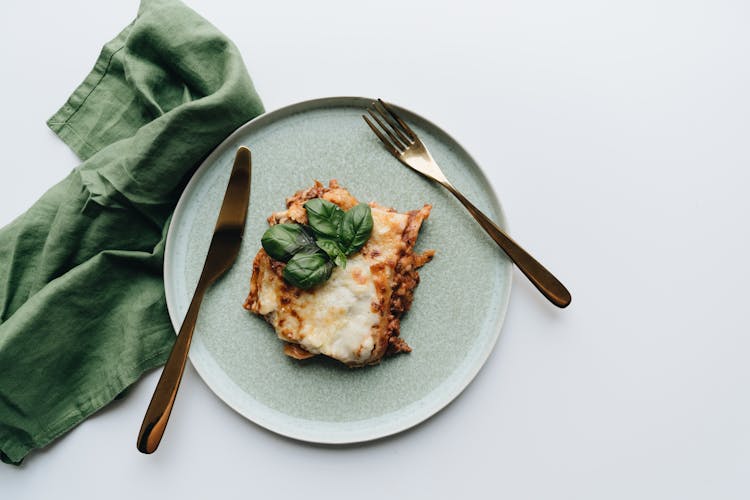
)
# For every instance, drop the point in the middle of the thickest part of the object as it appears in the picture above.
(82, 307)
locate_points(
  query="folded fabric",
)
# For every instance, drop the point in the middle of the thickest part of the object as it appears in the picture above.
(82, 308)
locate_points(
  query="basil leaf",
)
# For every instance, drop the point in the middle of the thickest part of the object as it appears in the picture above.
(324, 217)
(355, 228)
(305, 270)
(334, 251)
(282, 241)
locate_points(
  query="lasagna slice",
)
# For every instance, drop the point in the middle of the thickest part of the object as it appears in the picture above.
(354, 316)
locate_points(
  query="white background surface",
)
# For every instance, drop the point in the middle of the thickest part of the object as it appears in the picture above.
(616, 135)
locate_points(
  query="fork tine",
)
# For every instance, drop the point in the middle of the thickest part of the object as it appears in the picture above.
(395, 152)
(394, 125)
(407, 129)
(399, 143)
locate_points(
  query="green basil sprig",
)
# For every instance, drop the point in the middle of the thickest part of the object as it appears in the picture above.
(324, 217)
(355, 228)
(333, 250)
(306, 270)
(312, 251)
(282, 241)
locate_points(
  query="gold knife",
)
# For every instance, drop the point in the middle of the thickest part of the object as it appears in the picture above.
(225, 246)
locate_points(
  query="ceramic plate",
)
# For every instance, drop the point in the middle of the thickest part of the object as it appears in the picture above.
(458, 307)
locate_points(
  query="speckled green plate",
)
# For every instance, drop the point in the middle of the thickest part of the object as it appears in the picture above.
(458, 308)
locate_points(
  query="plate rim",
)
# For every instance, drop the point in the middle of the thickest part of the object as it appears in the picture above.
(302, 433)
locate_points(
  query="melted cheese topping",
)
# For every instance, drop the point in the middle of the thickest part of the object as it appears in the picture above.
(337, 319)
(385, 240)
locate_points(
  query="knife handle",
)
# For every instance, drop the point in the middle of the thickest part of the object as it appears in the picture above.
(160, 407)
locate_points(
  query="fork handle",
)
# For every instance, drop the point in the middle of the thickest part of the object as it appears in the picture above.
(542, 279)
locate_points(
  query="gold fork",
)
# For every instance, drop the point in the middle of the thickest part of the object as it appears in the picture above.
(405, 145)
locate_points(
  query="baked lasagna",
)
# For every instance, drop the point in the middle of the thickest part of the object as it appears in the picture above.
(354, 316)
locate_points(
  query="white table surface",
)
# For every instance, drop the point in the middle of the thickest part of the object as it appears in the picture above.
(616, 136)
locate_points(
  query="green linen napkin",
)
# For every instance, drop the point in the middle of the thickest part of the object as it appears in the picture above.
(82, 308)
